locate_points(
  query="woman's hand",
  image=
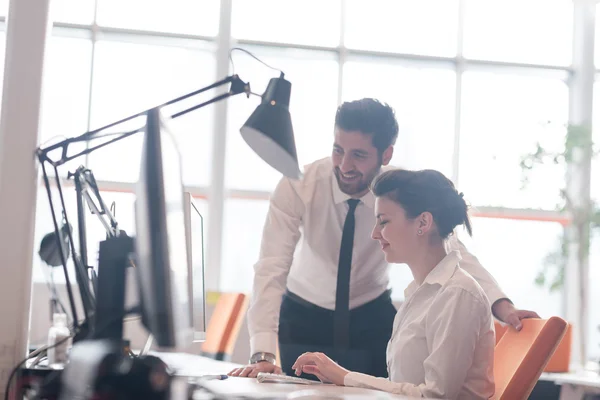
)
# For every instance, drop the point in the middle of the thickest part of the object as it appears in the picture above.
(322, 367)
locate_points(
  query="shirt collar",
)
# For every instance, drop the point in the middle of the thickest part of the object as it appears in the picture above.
(339, 197)
(439, 275)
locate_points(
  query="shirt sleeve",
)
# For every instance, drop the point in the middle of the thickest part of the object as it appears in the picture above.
(281, 233)
(471, 264)
(452, 335)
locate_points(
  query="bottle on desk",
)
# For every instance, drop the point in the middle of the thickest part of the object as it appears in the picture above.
(59, 341)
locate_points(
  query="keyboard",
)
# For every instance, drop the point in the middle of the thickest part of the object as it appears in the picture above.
(265, 377)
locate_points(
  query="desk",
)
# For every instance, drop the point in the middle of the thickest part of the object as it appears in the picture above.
(250, 387)
(574, 385)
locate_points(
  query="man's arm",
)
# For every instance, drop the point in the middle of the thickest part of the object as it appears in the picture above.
(281, 233)
(502, 308)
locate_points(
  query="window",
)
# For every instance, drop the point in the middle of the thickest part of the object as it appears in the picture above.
(72, 11)
(130, 78)
(65, 96)
(595, 178)
(593, 333)
(423, 99)
(503, 117)
(533, 31)
(308, 22)
(2, 54)
(313, 103)
(243, 225)
(506, 249)
(174, 16)
(412, 27)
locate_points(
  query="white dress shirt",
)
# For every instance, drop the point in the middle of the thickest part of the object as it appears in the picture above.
(300, 250)
(442, 345)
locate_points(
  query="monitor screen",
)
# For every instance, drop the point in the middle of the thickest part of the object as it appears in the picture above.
(195, 244)
(161, 238)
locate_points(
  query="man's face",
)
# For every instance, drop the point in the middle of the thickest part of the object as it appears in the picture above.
(356, 161)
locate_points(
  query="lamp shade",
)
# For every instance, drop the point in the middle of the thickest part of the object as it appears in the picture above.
(269, 132)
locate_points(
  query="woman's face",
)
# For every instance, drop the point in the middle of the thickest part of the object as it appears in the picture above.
(397, 234)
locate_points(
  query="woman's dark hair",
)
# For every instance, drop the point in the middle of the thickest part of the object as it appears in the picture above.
(425, 191)
(370, 117)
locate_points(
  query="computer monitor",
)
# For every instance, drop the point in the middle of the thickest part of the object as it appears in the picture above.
(162, 259)
(194, 228)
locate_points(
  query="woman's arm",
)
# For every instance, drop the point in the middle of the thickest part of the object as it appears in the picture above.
(454, 324)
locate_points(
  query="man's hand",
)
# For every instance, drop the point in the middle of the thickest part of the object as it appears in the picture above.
(506, 312)
(322, 367)
(252, 370)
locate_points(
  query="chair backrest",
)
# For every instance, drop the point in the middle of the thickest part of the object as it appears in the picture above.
(520, 357)
(500, 330)
(561, 359)
(224, 326)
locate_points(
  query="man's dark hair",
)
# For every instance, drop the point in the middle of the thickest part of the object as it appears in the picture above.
(371, 117)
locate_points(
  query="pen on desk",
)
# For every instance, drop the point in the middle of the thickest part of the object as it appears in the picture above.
(213, 377)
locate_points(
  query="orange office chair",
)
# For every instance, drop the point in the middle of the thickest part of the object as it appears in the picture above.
(500, 330)
(520, 357)
(559, 362)
(224, 326)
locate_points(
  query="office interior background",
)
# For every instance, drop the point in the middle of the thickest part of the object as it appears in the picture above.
(475, 85)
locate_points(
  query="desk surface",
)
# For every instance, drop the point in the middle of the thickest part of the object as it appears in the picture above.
(196, 366)
(583, 378)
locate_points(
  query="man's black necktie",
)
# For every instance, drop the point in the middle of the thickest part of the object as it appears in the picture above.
(341, 317)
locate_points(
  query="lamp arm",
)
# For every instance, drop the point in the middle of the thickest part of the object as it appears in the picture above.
(84, 177)
(63, 256)
(237, 87)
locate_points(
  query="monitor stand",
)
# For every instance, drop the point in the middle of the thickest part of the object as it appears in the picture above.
(99, 365)
(148, 345)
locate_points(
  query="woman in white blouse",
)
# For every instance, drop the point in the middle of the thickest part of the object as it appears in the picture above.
(442, 344)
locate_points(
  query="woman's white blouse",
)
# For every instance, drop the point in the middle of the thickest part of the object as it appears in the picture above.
(442, 344)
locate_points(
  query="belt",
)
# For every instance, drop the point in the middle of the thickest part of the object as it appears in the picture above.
(386, 295)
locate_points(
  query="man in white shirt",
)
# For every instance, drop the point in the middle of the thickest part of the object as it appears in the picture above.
(321, 282)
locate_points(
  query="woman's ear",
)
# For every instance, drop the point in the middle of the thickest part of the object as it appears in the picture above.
(425, 222)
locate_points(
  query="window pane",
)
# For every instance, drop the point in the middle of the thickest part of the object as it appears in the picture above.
(310, 22)
(540, 31)
(423, 99)
(129, 78)
(506, 249)
(503, 117)
(66, 95)
(2, 54)
(243, 225)
(595, 178)
(312, 107)
(417, 27)
(72, 11)
(597, 40)
(593, 334)
(177, 16)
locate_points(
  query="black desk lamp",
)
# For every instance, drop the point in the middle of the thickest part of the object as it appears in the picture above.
(268, 131)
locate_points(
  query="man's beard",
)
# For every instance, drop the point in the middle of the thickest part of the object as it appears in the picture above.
(359, 185)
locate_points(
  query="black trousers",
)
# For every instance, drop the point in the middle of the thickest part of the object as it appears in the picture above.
(305, 327)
